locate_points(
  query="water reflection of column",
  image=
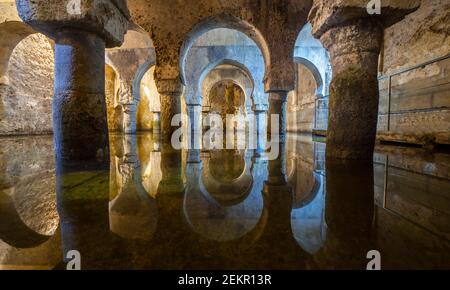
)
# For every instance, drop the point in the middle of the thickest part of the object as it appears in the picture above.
(156, 123)
(132, 211)
(195, 123)
(277, 107)
(129, 118)
(277, 167)
(278, 203)
(171, 169)
(79, 118)
(349, 214)
(261, 127)
(278, 193)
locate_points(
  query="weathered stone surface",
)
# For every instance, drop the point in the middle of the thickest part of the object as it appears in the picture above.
(25, 106)
(231, 73)
(9, 11)
(274, 25)
(325, 14)
(79, 108)
(108, 19)
(354, 39)
(419, 97)
(353, 105)
(353, 115)
(170, 106)
(422, 36)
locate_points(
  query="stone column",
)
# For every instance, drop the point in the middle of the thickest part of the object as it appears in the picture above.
(129, 106)
(79, 109)
(170, 106)
(349, 214)
(170, 92)
(195, 122)
(277, 169)
(353, 107)
(156, 122)
(129, 118)
(79, 114)
(171, 169)
(277, 107)
(354, 38)
(260, 112)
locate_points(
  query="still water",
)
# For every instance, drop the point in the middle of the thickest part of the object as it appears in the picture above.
(156, 208)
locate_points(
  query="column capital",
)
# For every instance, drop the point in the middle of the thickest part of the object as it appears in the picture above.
(280, 96)
(326, 14)
(106, 18)
(260, 108)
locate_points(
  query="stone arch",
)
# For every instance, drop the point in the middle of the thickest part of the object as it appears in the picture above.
(214, 86)
(240, 51)
(132, 60)
(12, 33)
(223, 20)
(141, 71)
(247, 83)
(314, 71)
(310, 52)
(26, 80)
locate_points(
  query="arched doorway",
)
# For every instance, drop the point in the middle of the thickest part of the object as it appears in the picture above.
(308, 104)
(149, 107)
(26, 80)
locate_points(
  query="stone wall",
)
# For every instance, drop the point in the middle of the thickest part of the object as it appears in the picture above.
(27, 89)
(420, 97)
(301, 102)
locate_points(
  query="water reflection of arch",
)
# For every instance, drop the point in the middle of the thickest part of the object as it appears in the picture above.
(308, 219)
(14, 230)
(28, 213)
(242, 219)
(308, 214)
(238, 183)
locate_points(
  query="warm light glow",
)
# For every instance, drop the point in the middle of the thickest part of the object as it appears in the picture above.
(146, 91)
